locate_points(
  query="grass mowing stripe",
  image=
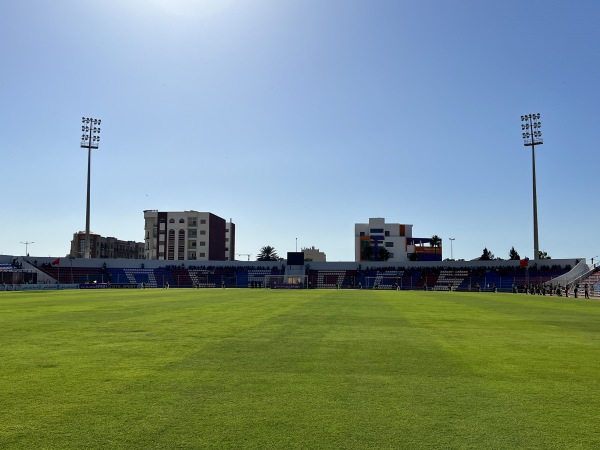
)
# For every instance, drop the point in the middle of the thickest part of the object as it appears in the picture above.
(456, 408)
(118, 353)
(295, 374)
(358, 357)
(543, 369)
(272, 369)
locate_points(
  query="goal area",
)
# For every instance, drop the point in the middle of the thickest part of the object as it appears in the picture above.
(385, 282)
(285, 282)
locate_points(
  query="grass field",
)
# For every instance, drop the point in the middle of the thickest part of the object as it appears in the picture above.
(224, 368)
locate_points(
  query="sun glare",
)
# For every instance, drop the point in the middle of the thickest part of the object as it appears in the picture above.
(192, 8)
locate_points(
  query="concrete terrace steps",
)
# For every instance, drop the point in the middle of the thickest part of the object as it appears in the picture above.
(450, 279)
(593, 281)
(388, 279)
(330, 279)
(202, 278)
(138, 276)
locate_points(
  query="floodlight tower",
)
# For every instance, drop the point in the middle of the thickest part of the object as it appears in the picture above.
(532, 136)
(90, 138)
(27, 243)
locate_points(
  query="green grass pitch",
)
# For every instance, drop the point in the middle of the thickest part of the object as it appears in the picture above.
(228, 368)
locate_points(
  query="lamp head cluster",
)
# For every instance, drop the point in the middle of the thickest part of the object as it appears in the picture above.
(530, 126)
(90, 132)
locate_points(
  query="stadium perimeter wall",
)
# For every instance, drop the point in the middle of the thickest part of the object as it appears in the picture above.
(573, 262)
(579, 265)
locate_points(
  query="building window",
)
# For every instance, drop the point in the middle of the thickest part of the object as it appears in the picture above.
(362, 233)
(202, 231)
(389, 244)
(193, 233)
(171, 245)
(202, 255)
(387, 233)
(202, 221)
(181, 245)
(202, 243)
(376, 231)
(181, 220)
(193, 223)
(171, 220)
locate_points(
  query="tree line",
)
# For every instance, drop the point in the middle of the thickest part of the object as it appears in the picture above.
(268, 253)
(487, 255)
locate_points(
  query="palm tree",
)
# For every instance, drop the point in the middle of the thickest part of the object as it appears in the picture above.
(435, 241)
(267, 253)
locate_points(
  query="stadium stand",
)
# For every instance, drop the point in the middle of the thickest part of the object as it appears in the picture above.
(331, 279)
(133, 276)
(592, 280)
(79, 275)
(451, 280)
(14, 274)
(502, 276)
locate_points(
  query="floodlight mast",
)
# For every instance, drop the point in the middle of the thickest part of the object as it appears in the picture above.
(27, 243)
(532, 136)
(90, 139)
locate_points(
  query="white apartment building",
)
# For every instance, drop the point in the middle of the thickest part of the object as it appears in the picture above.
(396, 238)
(370, 237)
(188, 235)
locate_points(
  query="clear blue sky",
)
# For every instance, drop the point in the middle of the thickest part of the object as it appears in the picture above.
(299, 118)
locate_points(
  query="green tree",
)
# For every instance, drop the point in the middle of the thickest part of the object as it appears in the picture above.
(267, 253)
(513, 254)
(436, 242)
(384, 254)
(367, 253)
(543, 255)
(486, 255)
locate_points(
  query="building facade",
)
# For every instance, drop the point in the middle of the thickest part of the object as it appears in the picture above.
(188, 235)
(381, 241)
(314, 254)
(106, 247)
(230, 241)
